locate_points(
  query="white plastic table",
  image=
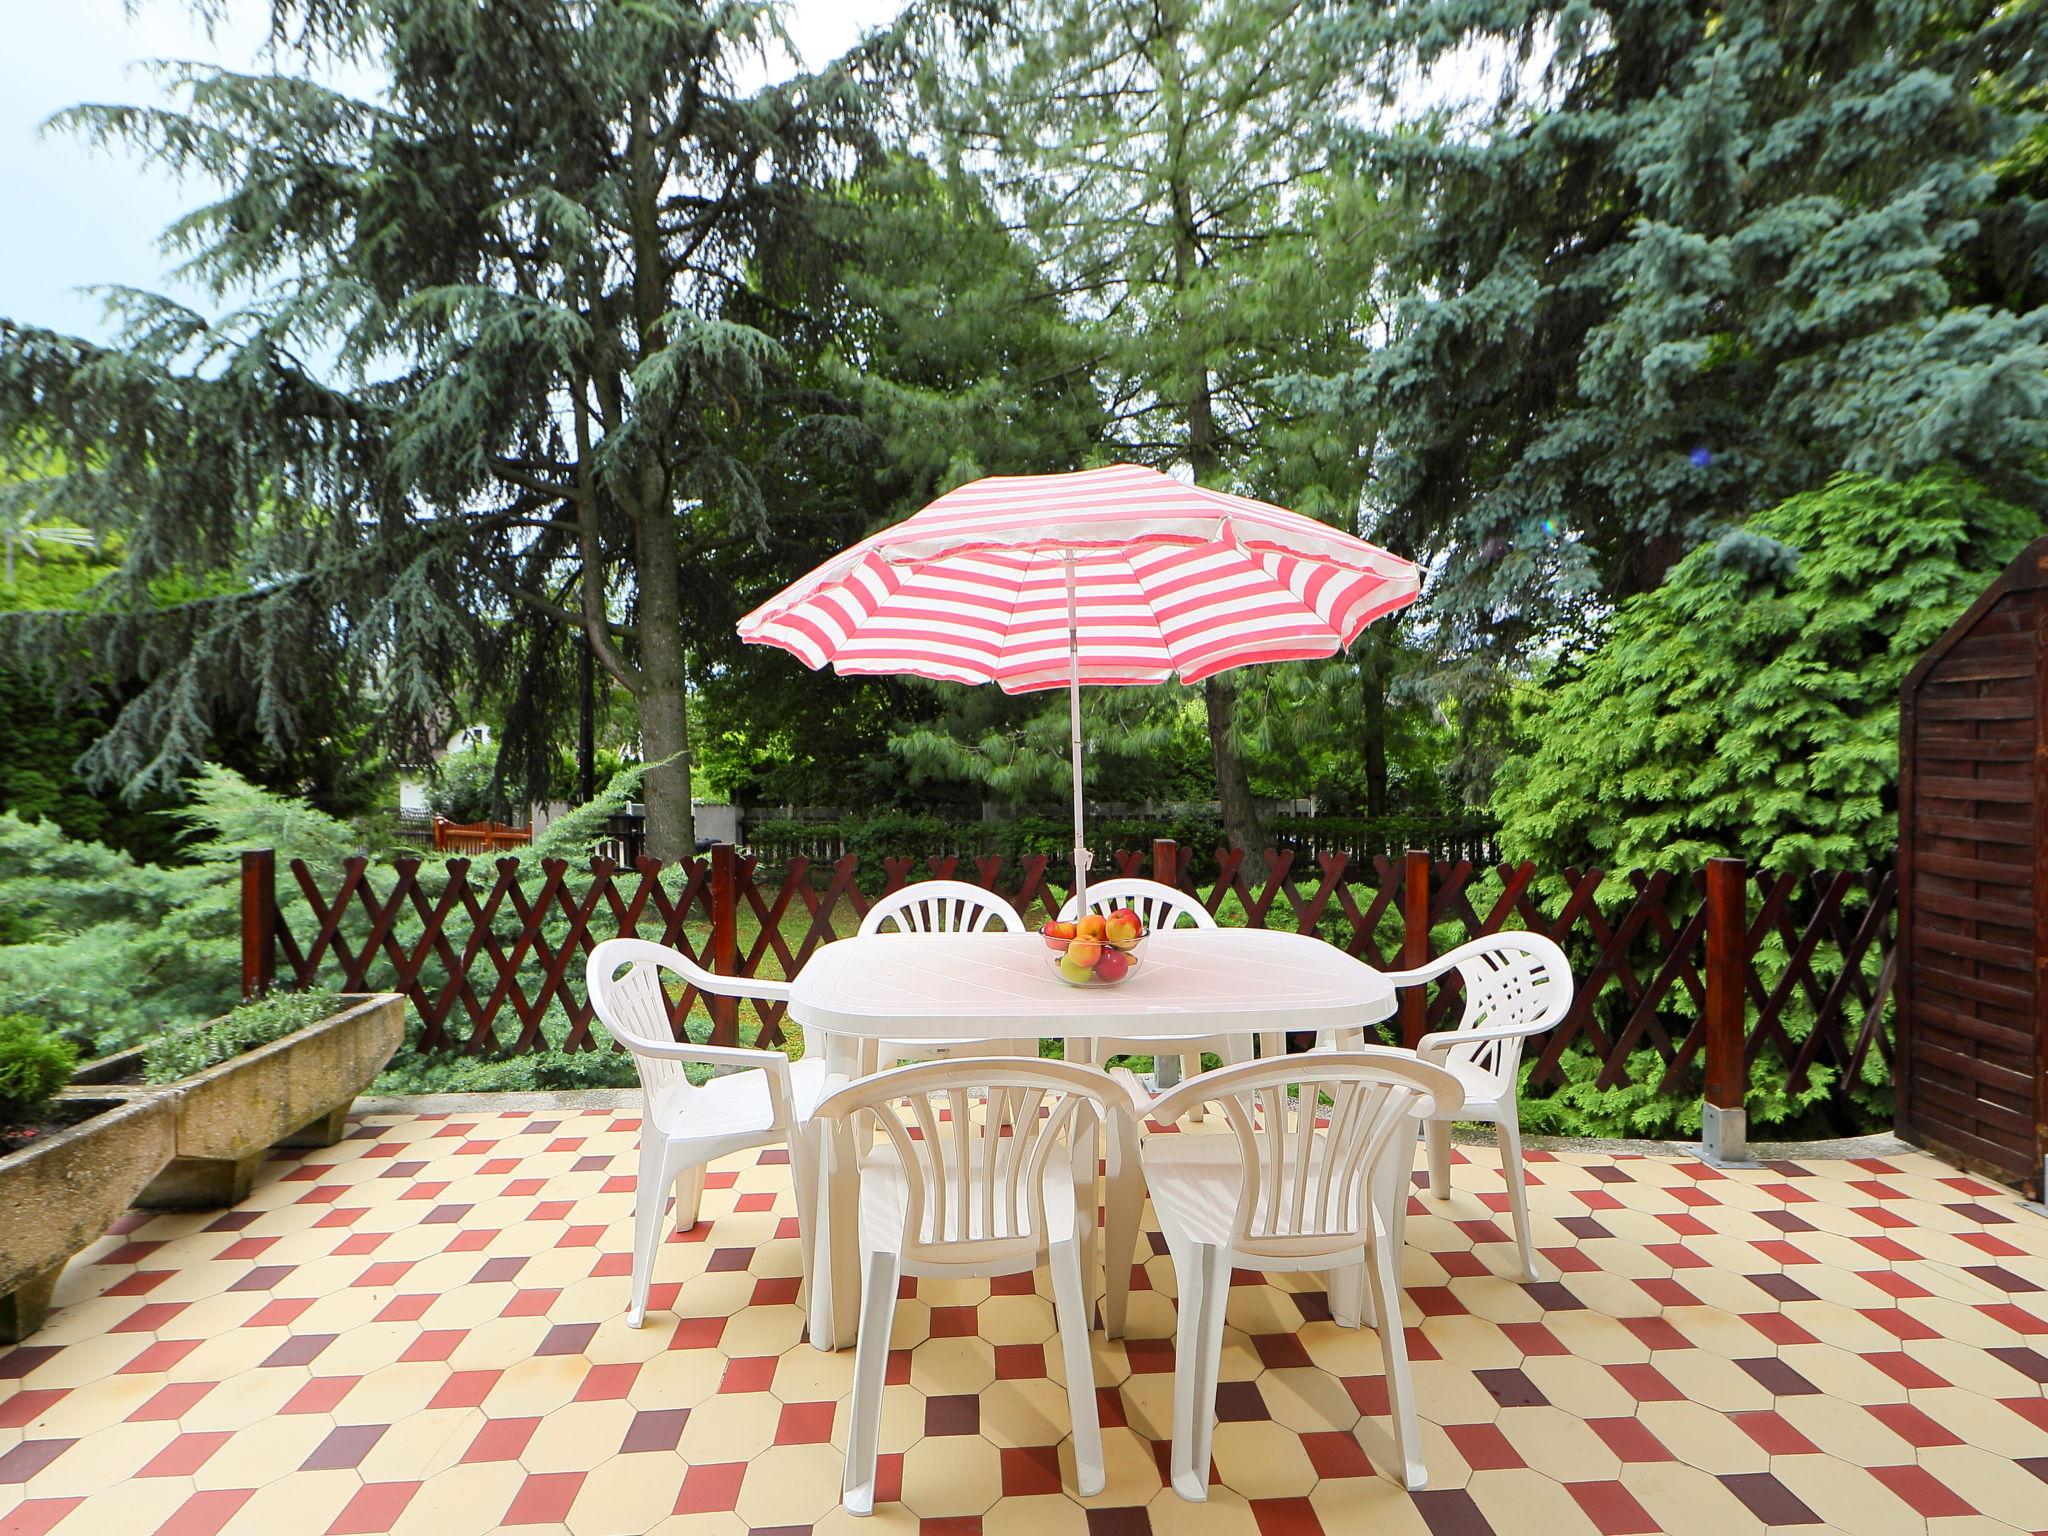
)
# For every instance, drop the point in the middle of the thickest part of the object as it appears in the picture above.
(1000, 985)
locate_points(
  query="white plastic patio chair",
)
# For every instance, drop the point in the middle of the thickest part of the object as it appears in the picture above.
(1516, 985)
(683, 1125)
(1291, 1188)
(951, 1192)
(942, 906)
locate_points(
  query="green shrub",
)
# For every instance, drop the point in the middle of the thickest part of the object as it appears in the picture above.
(35, 1061)
(549, 1071)
(179, 1053)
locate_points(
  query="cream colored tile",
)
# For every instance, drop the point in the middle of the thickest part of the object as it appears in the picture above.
(791, 1485)
(951, 1475)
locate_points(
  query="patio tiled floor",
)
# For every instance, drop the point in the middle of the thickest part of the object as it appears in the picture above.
(420, 1330)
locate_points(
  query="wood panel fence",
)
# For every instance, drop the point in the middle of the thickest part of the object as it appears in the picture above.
(1708, 969)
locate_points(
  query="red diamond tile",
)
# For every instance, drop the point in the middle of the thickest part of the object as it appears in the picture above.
(185, 1455)
(698, 1333)
(434, 1344)
(1612, 1509)
(465, 1389)
(1930, 1498)
(1020, 1362)
(1771, 1430)
(530, 1303)
(406, 1309)
(320, 1395)
(712, 1489)
(501, 1440)
(160, 1356)
(171, 1402)
(206, 1512)
(1630, 1440)
(805, 1423)
(749, 1374)
(1645, 1383)
(373, 1509)
(1278, 1351)
(1286, 1517)
(1904, 1369)
(1149, 1357)
(38, 1517)
(1912, 1425)
(953, 1322)
(544, 1498)
(140, 1283)
(1778, 1328)
(1902, 1324)
(1030, 1469)
(23, 1408)
(1483, 1446)
(149, 1317)
(1656, 1333)
(607, 1383)
(779, 1291)
(1336, 1453)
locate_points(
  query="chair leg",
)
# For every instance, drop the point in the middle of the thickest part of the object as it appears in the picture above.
(803, 1179)
(689, 1197)
(1438, 1135)
(1071, 1309)
(1350, 1297)
(1384, 1275)
(650, 1204)
(1203, 1273)
(1510, 1139)
(1124, 1211)
(870, 1367)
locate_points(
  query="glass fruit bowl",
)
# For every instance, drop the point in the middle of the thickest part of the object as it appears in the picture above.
(1098, 950)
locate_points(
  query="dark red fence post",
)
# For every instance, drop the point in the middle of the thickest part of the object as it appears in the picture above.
(1414, 942)
(259, 921)
(1724, 1132)
(725, 941)
(1165, 862)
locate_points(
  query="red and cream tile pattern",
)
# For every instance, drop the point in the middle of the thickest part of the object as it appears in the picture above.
(420, 1330)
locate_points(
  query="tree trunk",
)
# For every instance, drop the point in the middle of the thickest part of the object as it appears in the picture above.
(663, 692)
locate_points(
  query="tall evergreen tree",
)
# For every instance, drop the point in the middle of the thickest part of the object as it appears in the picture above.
(495, 388)
(1699, 256)
(1169, 160)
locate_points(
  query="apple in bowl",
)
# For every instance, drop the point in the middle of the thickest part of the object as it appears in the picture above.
(1096, 949)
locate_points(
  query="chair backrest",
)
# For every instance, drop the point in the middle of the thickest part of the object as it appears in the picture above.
(624, 978)
(1158, 906)
(1514, 981)
(1311, 1129)
(975, 1137)
(942, 906)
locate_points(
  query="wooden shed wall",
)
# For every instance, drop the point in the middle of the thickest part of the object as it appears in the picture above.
(1972, 1056)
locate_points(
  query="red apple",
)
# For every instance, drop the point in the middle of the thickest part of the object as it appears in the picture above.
(1114, 965)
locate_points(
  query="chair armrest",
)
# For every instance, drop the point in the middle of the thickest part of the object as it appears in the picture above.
(781, 1087)
(1422, 973)
(1439, 1041)
(1142, 1099)
(744, 986)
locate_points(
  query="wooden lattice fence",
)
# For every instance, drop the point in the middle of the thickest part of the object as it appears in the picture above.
(490, 956)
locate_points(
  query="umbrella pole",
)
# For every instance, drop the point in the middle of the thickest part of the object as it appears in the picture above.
(1074, 711)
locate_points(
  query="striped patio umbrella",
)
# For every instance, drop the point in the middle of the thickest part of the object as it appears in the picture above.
(1113, 575)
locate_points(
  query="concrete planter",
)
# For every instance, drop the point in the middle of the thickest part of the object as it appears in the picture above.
(61, 1193)
(294, 1092)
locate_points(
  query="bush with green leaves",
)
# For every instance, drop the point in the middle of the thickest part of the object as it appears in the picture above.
(35, 1061)
(465, 783)
(1750, 705)
(180, 1053)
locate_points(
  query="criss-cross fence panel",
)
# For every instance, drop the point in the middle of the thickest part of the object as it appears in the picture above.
(490, 956)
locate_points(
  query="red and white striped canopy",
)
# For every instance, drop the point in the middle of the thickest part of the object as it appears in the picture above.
(1170, 580)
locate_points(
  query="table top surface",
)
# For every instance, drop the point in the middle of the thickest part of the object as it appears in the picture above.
(1187, 981)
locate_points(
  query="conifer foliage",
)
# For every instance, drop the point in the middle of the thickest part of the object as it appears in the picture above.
(1699, 257)
(484, 392)
(1750, 705)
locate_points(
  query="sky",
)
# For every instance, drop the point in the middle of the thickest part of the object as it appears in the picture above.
(77, 217)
